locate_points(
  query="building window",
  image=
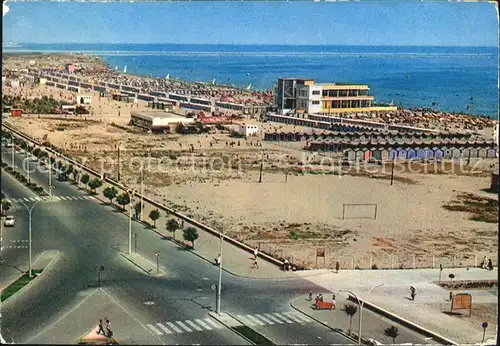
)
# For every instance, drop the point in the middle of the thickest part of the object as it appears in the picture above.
(316, 92)
(315, 102)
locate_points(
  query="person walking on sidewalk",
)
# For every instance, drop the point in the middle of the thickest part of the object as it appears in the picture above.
(337, 267)
(255, 264)
(101, 329)
(255, 253)
(413, 292)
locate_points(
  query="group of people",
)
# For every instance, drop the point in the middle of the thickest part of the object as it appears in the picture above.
(487, 263)
(108, 332)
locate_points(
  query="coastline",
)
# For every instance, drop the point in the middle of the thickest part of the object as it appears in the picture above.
(203, 63)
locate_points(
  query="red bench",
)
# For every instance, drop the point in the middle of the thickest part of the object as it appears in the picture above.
(324, 305)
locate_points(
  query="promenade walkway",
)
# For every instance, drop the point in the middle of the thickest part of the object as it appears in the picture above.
(430, 307)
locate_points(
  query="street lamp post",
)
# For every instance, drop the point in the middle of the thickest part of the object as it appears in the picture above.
(30, 210)
(360, 304)
(13, 145)
(219, 285)
(49, 166)
(130, 195)
(142, 192)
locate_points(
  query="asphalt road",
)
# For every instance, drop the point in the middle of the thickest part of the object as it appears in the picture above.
(89, 235)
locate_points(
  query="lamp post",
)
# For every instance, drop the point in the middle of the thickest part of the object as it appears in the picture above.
(49, 167)
(13, 146)
(30, 210)
(142, 192)
(360, 307)
(219, 285)
(130, 193)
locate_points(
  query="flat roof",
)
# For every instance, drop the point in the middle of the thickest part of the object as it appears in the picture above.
(341, 84)
(293, 78)
(158, 115)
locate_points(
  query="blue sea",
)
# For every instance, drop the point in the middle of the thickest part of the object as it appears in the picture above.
(446, 78)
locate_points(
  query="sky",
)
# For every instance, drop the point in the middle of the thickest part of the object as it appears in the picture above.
(388, 23)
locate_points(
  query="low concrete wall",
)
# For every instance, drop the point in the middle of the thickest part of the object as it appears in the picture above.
(148, 200)
(404, 321)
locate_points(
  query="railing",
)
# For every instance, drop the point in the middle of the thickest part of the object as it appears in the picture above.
(146, 199)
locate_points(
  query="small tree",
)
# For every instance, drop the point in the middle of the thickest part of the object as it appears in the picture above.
(154, 215)
(110, 193)
(85, 179)
(350, 310)
(172, 226)
(137, 209)
(94, 184)
(190, 234)
(392, 332)
(123, 200)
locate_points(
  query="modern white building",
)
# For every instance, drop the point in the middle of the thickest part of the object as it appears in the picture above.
(158, 121)
(248, 130)
(84, 100)
(299, 95)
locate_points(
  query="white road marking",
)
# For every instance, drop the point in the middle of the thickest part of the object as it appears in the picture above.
(64, 198)
(26, 199)
(274, 318)
(283, 317)
(293, 317)
(203, 324)
(209, 320)
(32, 199)
(38, 198)
(186, 328)
(154, 329)
(254, 319)
(165, 329)
(174, 327)
(56, 198)
(194, 325)
(246, 321)
(264, 319)
(302, 317)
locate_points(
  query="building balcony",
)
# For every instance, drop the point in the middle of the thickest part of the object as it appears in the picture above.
(347, 98)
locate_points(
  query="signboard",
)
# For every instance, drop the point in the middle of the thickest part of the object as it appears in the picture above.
(462, 301)
(157, 253)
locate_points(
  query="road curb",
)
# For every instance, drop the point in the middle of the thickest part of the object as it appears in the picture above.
(214, 316)
(340, 331)
(149, 273)
(404, 321)
(22, 290)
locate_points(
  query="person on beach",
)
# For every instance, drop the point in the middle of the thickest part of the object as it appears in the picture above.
(490, 264)
(255, 253)
(337, 267)
(413, 292)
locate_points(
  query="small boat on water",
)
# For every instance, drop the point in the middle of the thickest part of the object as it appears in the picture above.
(125, 69)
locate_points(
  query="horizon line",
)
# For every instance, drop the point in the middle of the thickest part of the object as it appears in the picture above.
(253, 44)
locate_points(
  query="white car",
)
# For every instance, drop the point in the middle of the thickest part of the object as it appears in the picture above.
(9, 221)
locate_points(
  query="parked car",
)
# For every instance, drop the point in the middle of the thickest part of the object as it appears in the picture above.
(9, 221)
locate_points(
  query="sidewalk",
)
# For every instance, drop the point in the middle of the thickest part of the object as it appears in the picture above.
(235, 260)
(143, 264)
(431, 304)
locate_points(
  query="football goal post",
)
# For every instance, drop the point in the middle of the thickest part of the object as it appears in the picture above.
(359, 211)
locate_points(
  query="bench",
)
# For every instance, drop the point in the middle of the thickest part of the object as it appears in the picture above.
(324, 305)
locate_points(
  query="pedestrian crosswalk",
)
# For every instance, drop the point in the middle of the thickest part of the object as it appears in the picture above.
(251, 320)
(51, 199)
